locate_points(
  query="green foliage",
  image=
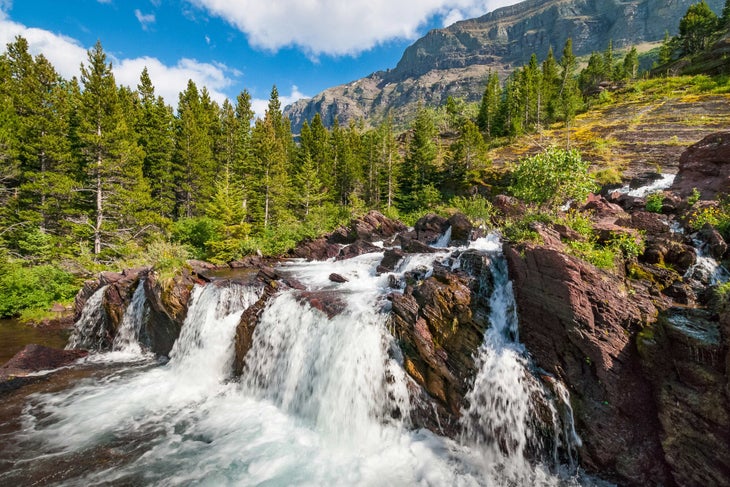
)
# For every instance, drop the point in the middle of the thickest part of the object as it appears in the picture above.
(167, 258)
(478, 209)
(195, 233)
(694, 197)
(629, 245)
(654, 202)
(602, 257)
(551, 178)
(717, 215)
(578, 221)
(24, 288)
(697, 27)
(607, 175)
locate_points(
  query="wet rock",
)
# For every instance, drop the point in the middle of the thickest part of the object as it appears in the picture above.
(440, 322)
(413, 246)
(714, 244)
(650, 223)
(391, 258)
(429, 228)
(34, 358)
(705, 166)
(168, 301)
(461, 229)
(317, 249)
(686, 356)
(360, 247)
(577, 321)
(250, 318)
(334, 277)
(328, 302)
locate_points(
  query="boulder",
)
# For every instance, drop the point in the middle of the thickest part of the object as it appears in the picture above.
(461, 229)
(168, 301)
(334, 277)
(577, 322)
(317, 249)
(430, 227)
(360, 247)
(714, 244)
(18, 371)
(705, 166)
(391, 258)
(413, 246)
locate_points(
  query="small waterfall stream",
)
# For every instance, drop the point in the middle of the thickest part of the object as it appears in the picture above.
(127, 339)
(322, 400)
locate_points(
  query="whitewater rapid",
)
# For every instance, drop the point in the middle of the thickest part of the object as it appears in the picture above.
(322, 401)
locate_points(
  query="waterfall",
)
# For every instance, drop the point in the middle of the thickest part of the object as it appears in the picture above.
(444, 240)
(90, 329)
(501, 415)
(126, 340)
(323, 400)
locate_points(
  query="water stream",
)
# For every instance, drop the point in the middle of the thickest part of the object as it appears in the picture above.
(322, 400)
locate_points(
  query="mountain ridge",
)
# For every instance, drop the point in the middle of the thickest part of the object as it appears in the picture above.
(454, 61)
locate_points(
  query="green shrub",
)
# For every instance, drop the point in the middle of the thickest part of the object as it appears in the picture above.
(33, 288)
(578, 221)
(551, 178)
(694, 197)
(629, 245)
(478, 209)
(195, 233)
(602, 257)
(654, 202)
(167, 258)
(718, 216)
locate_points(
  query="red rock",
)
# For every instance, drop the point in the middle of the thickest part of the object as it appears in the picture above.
(705, 166)
(34, 358)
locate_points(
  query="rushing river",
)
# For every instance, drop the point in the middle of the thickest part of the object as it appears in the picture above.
(321, 402)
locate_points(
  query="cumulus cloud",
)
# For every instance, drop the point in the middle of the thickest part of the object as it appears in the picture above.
(145, 20)
(259, 105)
(338, 28)
(67, 54)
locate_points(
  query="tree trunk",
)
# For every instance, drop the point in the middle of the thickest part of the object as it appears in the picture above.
(99, 198)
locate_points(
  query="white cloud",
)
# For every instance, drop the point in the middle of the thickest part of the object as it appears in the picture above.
(259, 105)
(144, 19)
(67, 54)
(335, 27)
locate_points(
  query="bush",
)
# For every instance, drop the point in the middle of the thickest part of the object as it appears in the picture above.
(479, 210)
(579, 222)
(33, 288)
(603, 257)
(551, 178)
(195, 233)
(167, 257)
(654, 202)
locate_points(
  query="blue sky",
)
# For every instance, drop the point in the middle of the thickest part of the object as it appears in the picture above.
(302, 46)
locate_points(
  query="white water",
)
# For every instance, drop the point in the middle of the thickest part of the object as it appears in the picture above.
(706, 269)
(85, 333)
(126, 342)
(323, 401)
(660, 184)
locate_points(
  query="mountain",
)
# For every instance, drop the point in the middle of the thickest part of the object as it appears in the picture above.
(454, 61)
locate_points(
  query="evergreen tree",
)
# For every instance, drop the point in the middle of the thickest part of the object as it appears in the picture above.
(696, 27)
(631, 64)
(724, 21)
(111, 158)
(194, 165)
(419, 169)
(489, 106)
(550, 85)
(155, 127)
(569, 95)
(469, 157)
(666, 51)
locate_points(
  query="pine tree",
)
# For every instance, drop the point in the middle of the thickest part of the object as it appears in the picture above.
(194, 165)
(419, 169)
(489, 106)
(469, 157)
(696, 27)
(666, 51)
(569, 95)
(155, 127)
(550, 85)
(631, 64)
(724, 21)
(111, 157)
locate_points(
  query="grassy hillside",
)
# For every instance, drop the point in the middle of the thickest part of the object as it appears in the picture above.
(643, 127)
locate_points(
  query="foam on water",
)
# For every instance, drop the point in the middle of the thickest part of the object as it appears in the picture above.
(322, 401)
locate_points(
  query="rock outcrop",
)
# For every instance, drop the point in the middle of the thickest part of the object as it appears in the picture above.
(686, 355)
(440, 321)
(706, 167)
(577, 322)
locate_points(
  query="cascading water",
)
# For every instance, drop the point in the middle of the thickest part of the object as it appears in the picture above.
(706, 269)
(323, 400)
(87, 333)
(127, 339)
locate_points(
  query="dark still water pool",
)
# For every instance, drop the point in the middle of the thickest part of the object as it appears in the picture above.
(15, 335)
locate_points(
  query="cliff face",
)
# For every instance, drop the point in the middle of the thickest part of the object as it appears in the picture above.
(454, 61)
